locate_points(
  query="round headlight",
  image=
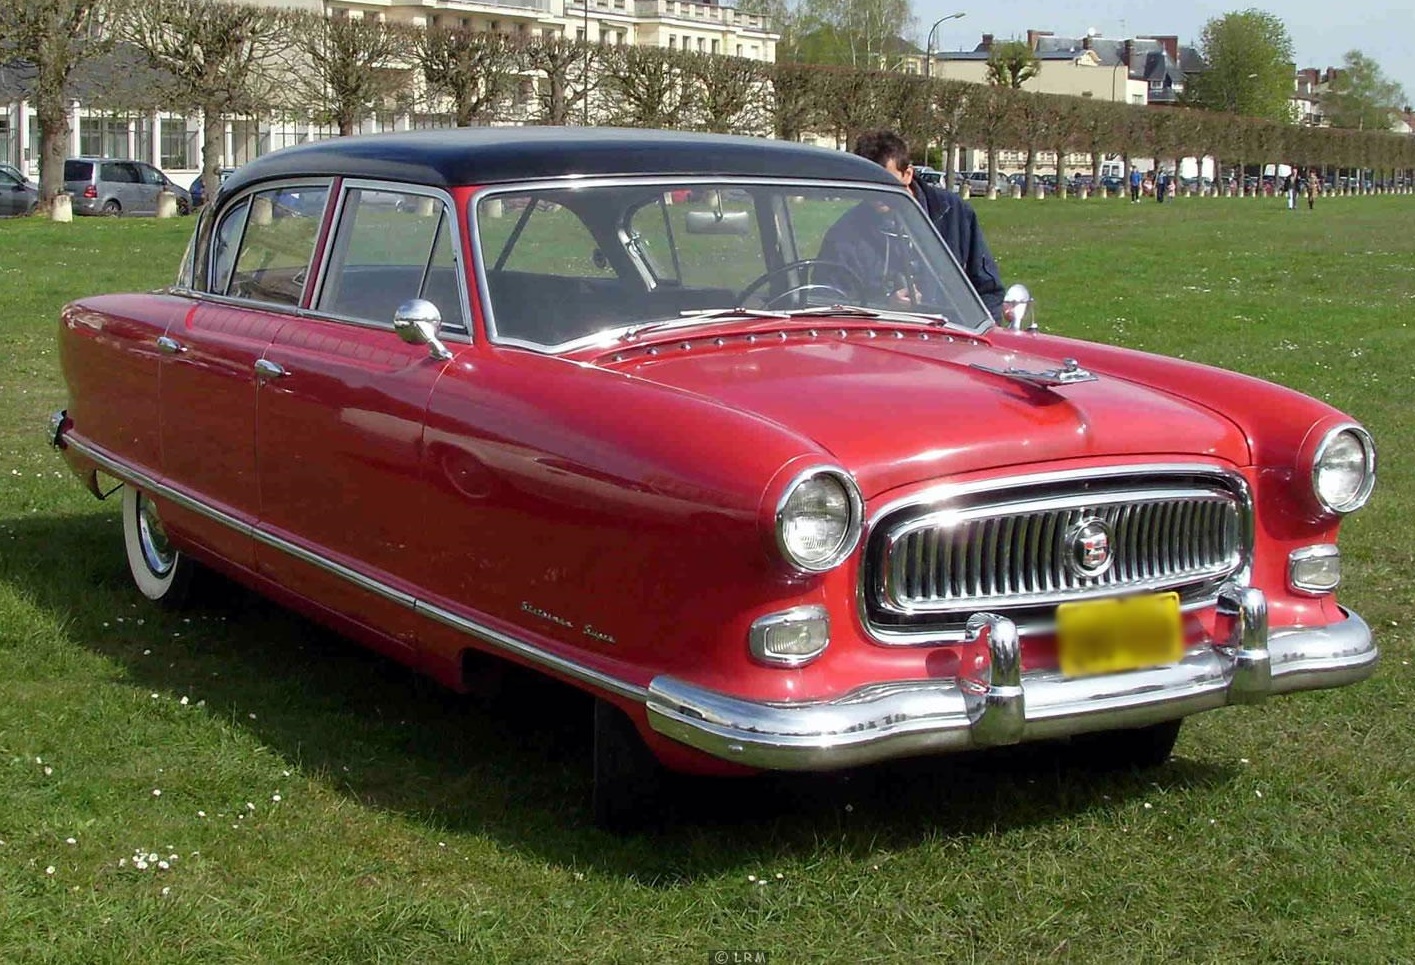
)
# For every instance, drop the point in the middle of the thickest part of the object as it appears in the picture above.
(1344, 470)
(818, 520)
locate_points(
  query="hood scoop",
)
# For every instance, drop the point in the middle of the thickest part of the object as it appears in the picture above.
(1069, 374)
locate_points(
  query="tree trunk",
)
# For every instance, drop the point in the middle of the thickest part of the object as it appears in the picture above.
(1060, 172)
(213, 143)
(992, 171)
(949, 150)
(1029, 180)
(346, 126)
(53, 149)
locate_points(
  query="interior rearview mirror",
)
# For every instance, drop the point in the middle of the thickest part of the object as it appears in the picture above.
(718, 222)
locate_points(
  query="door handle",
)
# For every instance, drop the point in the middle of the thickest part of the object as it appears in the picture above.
(266, 369)
(170, 346)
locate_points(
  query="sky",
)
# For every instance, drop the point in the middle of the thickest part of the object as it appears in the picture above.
(1321, 31)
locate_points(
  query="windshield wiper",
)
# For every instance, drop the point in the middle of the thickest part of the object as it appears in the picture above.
(692, 317)
(857, 311)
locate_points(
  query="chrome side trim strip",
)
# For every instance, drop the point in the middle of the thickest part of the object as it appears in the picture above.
(495, 638)
(125, 473)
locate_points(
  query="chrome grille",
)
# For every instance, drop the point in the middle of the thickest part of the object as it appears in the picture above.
(928, 567)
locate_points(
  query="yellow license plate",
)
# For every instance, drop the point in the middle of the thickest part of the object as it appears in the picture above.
(1116, 635)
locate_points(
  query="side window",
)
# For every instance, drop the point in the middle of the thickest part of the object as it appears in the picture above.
(223, 246)
(540, 237)
(8, 180)
(116, 173)
(150, 175)
(389, 247)
(276, 246)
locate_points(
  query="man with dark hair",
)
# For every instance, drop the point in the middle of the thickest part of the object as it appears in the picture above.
(954, 218)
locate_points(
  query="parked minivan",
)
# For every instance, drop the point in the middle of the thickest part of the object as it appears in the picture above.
(109, 186)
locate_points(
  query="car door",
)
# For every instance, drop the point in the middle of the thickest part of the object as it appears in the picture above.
(341, 409)
(209, 380)
(14, 199)
(151, 184)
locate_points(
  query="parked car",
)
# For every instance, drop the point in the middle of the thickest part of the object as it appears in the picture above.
(197, 193)
(110, 186)
(636, 444)
(927, 174)
(18, 195)
(977, 182)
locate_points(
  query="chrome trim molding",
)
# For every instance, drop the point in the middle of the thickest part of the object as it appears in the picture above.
(996, 705)
(495, 638)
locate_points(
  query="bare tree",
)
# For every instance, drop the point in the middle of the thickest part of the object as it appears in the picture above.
(350, 66)
(648, 86)
(55, 36)
(571, 71)
(476, 71)
(219, 58)
(732, 93)
(950, 107)
(1012, 64)
(794, 99)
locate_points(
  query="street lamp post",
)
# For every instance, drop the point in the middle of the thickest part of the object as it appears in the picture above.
(585, 80)
(929, 70)
(929, 44)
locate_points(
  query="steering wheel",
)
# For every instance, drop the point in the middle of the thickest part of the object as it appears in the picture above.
(809, 266)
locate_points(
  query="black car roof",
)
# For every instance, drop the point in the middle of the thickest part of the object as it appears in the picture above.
(485, 155)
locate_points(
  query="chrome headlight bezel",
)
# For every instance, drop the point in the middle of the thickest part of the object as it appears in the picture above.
(1368, 482)
(854, 525)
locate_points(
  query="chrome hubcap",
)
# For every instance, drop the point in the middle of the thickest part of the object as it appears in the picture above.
(157, 553)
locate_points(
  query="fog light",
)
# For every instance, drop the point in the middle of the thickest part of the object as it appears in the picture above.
(1314, 569)
(791, 637)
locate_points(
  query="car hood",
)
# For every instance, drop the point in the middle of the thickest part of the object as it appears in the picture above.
(896, 407)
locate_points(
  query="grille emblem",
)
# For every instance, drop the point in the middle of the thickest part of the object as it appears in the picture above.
(1089, 552)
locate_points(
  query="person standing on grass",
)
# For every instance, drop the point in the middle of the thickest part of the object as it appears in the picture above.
(1134, 186)
(954, 218)
(1292, 190)
(1311, 189)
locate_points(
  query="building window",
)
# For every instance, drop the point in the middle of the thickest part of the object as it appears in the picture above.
(754, 51)
(580, 34)
(103, 137)
(702, 45)
(739, 50)
(178, 144)
(716, 47)
(672, 42)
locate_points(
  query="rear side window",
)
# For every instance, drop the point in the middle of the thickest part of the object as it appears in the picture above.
(118, 173)
(275, 248)
(78, 170)
(391, 246)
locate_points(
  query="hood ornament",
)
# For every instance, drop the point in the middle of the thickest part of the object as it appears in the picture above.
(1069, 374)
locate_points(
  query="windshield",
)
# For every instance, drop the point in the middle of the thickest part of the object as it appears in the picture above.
(571, 262)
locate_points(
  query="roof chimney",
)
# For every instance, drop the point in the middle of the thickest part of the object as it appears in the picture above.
(987, 43)
(1033, 36)
(1128, 53)
(1170, 46)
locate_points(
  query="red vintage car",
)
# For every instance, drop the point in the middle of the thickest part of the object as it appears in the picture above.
(716, 429)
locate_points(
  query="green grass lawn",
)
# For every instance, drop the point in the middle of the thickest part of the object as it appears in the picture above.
(318, 803)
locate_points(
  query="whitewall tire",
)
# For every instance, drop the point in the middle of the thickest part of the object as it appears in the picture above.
(161, 573)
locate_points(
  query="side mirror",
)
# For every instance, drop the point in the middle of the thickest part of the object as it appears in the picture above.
(416, 321)
(1017, 305)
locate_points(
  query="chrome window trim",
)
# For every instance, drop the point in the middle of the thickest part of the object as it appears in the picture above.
(456, 333)
(571, 182)
(489, 635)
(250, 192)
(939, 494)
(1368, 446)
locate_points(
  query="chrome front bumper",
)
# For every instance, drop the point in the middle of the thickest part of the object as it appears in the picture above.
(999, 705)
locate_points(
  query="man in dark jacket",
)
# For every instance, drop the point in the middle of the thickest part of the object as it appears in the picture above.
(954, 218)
